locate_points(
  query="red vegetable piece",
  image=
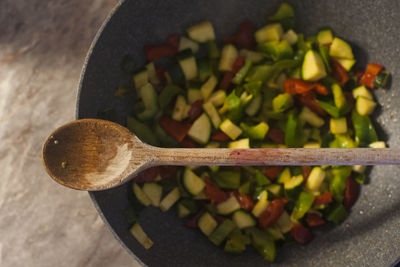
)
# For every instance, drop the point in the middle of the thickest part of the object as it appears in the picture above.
(188, 142)
(272, 213)
(325, 198)
(309, 100)
(350, 193)
(370, 73)
(244, 37)
(246, 202)
(173, 40)
(160, 72)
(148, 175)
(215, 194)
(277, 136)
(226, 80)
(195, 110)
(301, 234)
(176, 129)
(314, 220)
(358, 73)
(192, 223)
(167, 172)
(154, 52)
(237, 64)
(273, 172)
(339, 73)
(306, 171)
(321, 89)
(219, 136)
(298, 86)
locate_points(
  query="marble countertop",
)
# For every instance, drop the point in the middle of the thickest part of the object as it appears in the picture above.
(42, 48)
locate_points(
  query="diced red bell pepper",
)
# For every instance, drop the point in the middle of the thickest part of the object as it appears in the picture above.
(237, 64)
(306, 171)
(148, 175)
(246, 202)
(314, 220)
(309, 100)
(244, 37)
(219, 136)
(173, 40)
(301, 234)
(325, 198)
(160, 72)
(273, 172)
(154, 52)
(358, 73)
(192, 223)
(350, 193)
(195, 110)
(339, 73)
(370, 73)
(167, 172)
(277, 136)
(215, 194)
(272, 213)
(298, 86)
(226, 80)
(188, 142)
(176, 129)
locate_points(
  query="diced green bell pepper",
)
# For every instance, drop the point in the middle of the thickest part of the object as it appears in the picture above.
(337, 213)
(263, 243)
(303, 204)
(364, 129)
(278, 50)
(222, 231)
(227, 179)
(256, 132)
(142, 131)
(293, 131)
(241, 74)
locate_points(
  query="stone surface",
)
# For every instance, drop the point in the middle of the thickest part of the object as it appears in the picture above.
(42, 49)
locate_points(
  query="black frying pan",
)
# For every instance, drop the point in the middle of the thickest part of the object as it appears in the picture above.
(369, 237)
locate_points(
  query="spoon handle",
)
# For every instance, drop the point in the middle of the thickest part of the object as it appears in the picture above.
(277, 156)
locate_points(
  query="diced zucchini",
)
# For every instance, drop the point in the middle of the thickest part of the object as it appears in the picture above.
(213, 145)
(243, 220)
(242, 143)
(359, 168)
(170, 199)
(137, 232)
(365, 106)
(284, 223)
(270, 32)
(346, 63)
(182, 210)
(228, 56)
(188, 64)
(261, 204)
(150, 102)
(362, 91)
(275, 189)
(256, 132)
(253, 56)
(315, 179)
(193, 95)
(381, 79)
(151, 72)
(254, 105)
(285, 176)
(338, 125)
(338, 96)
(310, 117)
(294, 182)
(175, 74)
(179, 111)
(222, 232)
(208, 87)
(201, 32)
(325, 37)
(260, 73)
(185, 43)
(201, 129)
(313, 67)
(193, 183)
(290, 36)
(282, 102)
(340, 49)
(207, 224)
(212, 48)
(140, 195)
(154, 192)
(378, 144)
(218, 98)
(312, 145)
(275, 232)
(230, 129)
(140, 78)
(227, 179)
(277, 49)
(205, 69)
(228, 206)
(212, 113)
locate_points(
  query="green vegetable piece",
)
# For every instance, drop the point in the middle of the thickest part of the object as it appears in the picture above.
(285, 15)
(176, 74)
(381, 79)
(282, 102)
(313, 67)
(338, 96)
(241, 74)
(342, 141)
(293, 132)
(234, 106)
(340, 49)
(338, 125)
(142, 131)
(245, 188)
(270, 32)
(337, 186)
(169, 92)
(359, 178)
(259, 73)
(253, 87)
(236, 242)
(278, 50)
(330, 108)
(165, 139)
(221, 232)
(261, 178)
(324, 52)
(212, 48)
(256, 132)
(364, 130)
(325, 37)
(204, 68)
(263, 243)
(150, 102)
(337, 214)
(303, 204)
(227, 179)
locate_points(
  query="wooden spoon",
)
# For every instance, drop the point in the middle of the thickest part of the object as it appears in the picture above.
(93, 154)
